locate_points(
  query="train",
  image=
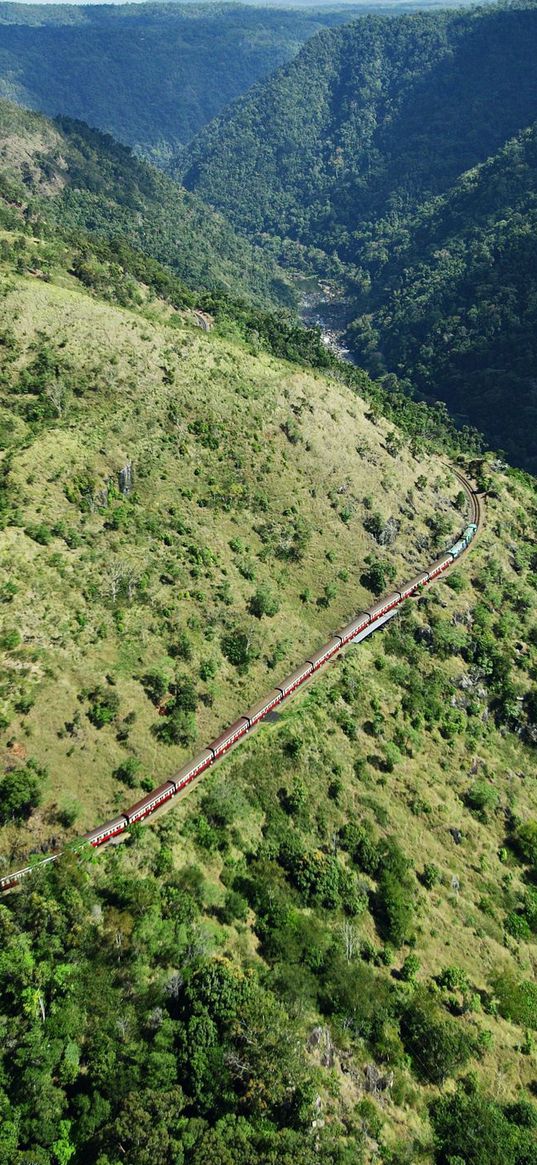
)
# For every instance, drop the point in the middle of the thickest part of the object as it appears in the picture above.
(366, 620)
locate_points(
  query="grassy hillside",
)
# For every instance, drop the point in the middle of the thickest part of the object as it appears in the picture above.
(241, 483)
(295, 963)
(85, 182)
(152, 74)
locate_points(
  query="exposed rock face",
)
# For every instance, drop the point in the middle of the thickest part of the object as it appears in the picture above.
(376, 1081)
(125, 478)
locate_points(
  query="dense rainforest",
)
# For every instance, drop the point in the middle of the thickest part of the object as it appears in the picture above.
(84, 180)
(358, 161)
(452, 301)
(150, 74)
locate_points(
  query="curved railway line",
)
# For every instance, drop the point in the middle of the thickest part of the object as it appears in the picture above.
(359, 628)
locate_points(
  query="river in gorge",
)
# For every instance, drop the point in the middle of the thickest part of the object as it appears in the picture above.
(322, 306)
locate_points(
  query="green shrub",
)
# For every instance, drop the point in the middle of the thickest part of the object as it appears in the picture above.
(235, 907)
(430, 876)
(473, 1129)
(263, 602)
(185, 696)
(395, 907)
(525, 837)
(177, 728)
(238, 648)
(410, 968)
(482, 799)
(517, 926)
(438, 1044)
(517, 999)
(181, 648)
(155, 685)
(20, 793)
(360, 843)
(104, 706)
(128, 772)
(42, 534)
(10, 640)
(8, 590)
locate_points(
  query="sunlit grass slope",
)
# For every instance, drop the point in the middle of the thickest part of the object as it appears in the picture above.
(247, 475)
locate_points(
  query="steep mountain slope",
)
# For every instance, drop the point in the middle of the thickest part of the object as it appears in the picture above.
(367, 159)
(288, 967)
(83, 180)
(241, 484)
(150, 74)
(453, 295)
(367, 119)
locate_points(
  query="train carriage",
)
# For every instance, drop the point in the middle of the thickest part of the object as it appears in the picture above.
(104, 832)
(325, 652)
(263, 707)
(385, 605)
(359, 623)
(191, 770)
(227, 738)
(419, 581)
(440, 565)
(148, 804)
(297, 677)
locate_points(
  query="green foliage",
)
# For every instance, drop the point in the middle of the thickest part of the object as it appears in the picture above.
(20, 794)
(138, 220)
(516, 998)
(430, 876)
(156, 685)
(185, 696)
(395, 908)
(474, 1128)
(58, 62)
(482, 798)
(438, 1044)
(525, 838)
(128, 772)
(420, 205)
(378, 575)
(238, 648)
(103, 706)
(264, 602)
(177, 727)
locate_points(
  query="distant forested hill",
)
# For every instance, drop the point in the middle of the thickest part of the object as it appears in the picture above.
(152, 75)
(453, 299)
(362, 153)
(85, 181)
(366, 121)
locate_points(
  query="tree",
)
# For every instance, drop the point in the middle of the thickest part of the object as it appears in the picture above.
(264, 602)
(238, 648)
(20, 793)
(470, 1127)
(378, 575)
(526, 841)
(438, 1044)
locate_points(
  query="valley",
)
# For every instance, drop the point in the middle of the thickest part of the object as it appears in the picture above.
(396, 159)
(234, 414)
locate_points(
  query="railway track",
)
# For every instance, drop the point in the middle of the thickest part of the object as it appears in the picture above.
(364, 624)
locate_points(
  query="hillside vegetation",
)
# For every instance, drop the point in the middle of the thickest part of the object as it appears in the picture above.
(82, 181)
(396, 156)
(298, 962)
(452, 301)
(150, 74)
